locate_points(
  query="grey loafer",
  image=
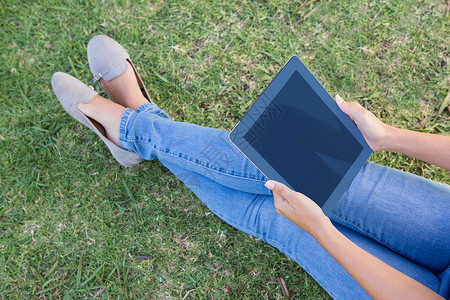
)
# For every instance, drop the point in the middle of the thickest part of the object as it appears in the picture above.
(107, 60)
(70, 92)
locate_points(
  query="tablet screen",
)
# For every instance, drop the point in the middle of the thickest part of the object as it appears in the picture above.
(296, 134)
(299, 126)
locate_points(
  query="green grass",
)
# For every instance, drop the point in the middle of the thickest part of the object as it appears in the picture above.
(71, 224)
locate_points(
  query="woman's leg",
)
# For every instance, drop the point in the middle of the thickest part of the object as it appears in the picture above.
(179, 146)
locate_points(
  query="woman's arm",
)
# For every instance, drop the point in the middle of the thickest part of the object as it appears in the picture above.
(432, 148)
(378, 279)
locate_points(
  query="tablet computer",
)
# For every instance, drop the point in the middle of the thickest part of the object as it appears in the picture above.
(296, 134)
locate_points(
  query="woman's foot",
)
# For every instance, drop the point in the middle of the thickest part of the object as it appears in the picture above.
(98, 114)
(124, 89)
(105, 112)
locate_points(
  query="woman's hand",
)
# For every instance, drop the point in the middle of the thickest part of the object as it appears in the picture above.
(374, 131)
(298, 208)
(431, 148)
(379, 279)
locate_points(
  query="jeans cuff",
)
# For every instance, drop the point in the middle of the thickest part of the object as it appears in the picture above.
(128, 116)
(127, 120)
(145, 107)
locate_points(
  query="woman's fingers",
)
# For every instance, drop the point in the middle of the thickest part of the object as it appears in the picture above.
(352, 109)
(296, 207)
(373, 130)
(280, 189)
(282, 195)
(341, 103)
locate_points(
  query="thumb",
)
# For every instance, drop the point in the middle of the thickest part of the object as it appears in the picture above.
(282, 196)
(280, 189)
(343, 105)
(352, 109)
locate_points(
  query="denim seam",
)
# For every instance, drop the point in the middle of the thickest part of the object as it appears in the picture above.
(193, 162)
(211, 169)
(383, 243)
(145, 107)
(151, 107)
(225, 173)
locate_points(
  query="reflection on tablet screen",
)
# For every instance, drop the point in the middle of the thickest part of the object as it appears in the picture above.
(300, 125)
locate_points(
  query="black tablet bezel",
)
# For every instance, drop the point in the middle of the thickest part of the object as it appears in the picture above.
(236, 136)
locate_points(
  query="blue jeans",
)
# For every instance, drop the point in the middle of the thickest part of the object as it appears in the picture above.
(401, 218)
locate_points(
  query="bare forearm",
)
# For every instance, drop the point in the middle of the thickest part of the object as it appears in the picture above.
(380, 280)
(432, 148)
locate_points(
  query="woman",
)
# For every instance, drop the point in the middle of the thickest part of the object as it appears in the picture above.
(400, 218)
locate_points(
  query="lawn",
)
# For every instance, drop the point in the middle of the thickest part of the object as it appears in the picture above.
(73, 222)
